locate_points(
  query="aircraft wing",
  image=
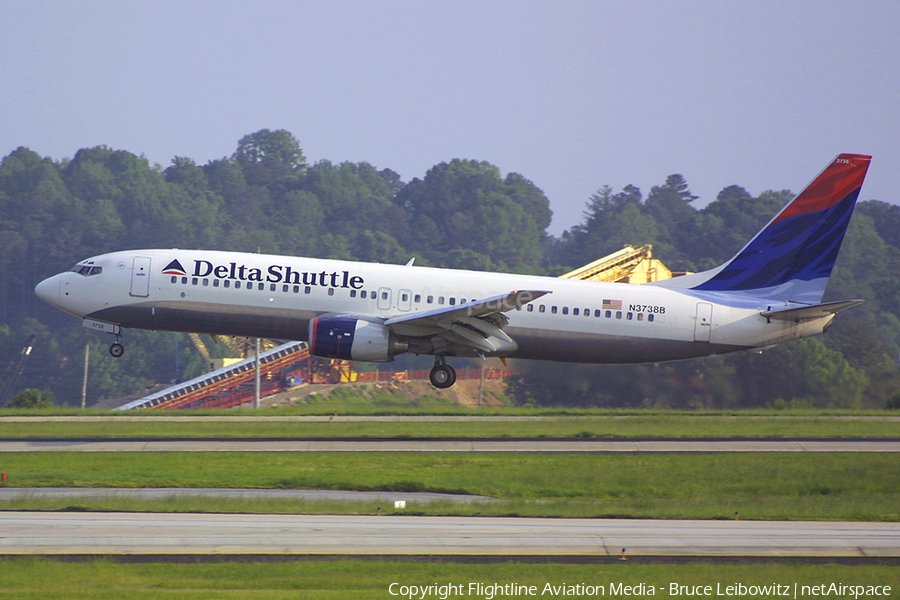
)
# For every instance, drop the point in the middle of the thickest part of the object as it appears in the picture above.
(477, 324)
(813, 311)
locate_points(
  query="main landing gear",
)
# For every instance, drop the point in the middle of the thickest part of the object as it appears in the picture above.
(442, 375)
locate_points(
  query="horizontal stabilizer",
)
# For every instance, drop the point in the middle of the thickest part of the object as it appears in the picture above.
(815, 311)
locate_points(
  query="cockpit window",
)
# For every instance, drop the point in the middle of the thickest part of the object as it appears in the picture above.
(86, 270)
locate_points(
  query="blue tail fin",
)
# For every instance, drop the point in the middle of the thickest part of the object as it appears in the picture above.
(791, 258)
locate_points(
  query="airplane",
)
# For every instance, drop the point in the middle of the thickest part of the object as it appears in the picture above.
(770, 292)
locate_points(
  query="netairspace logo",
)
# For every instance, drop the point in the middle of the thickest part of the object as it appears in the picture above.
(490, 591)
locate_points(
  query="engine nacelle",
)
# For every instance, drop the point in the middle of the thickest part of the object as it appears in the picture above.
(352, 339)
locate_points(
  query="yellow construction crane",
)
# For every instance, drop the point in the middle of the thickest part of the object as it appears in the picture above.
(628, 265)
(241, 348)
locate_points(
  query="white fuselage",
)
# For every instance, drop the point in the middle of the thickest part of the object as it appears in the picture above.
(233, 293)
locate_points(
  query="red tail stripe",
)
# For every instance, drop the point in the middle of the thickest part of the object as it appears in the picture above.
(835, 183)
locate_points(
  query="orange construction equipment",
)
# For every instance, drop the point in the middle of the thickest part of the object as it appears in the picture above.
(232, 385)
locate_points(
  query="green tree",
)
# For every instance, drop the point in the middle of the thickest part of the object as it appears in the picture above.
(465, 204)
(355, 197)
(670, 204)
(376, 246)
(32, 398)
(609, 231)
(269, 157)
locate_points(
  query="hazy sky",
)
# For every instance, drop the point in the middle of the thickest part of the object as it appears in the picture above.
(572, 95)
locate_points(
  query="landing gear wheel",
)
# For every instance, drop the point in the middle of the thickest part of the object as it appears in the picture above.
(117, 350)
(442, 376)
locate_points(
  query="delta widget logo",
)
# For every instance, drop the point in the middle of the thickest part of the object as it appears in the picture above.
(174, 268)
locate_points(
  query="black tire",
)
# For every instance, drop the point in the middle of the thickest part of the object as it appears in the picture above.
(117, 350)
(442, 376)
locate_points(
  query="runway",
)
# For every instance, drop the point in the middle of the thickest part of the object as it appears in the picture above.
(26, 493)
(174, 534)
(583, 445)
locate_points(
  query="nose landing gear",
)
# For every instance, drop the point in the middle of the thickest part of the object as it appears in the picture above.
(442, 375)
(117, 349)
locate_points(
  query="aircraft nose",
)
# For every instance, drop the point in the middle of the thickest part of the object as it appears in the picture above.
(48, 290)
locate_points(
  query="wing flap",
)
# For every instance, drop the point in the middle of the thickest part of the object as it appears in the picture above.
(476, 308)
(476, 325)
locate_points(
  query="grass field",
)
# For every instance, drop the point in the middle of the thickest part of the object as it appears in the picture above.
(27, 579)
(669, 425)
(758, 486)
(714, 486)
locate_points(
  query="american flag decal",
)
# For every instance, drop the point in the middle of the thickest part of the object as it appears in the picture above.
(612, 304)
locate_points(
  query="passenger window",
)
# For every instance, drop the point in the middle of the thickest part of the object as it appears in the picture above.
(353, 293)
(363, 294)
(227, 283)
(174, 279)
(284, 288)
(307, 290)
(429, 300)
(574, 312)
(237, 285)
(640, 316)
(194, 281)
(565, 310)
(296, 289)
(529, 307)
(384, 295)
(331, 291)
(619, 314)
(553, 309)
(440, 299)
(418, 298)
(261, 286)
(452, 301)
(629, 316)
(650, 317)
(542, 308)
(587, 312)
(184, 280)
(215, 283)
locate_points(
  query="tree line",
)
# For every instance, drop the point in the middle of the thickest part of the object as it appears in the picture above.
(462, 214)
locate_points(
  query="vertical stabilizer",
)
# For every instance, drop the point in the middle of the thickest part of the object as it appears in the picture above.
(792, 257)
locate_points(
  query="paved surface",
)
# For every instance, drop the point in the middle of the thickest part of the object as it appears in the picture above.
(438, 445)
(187, 418)
(7, 494)
(140, 533)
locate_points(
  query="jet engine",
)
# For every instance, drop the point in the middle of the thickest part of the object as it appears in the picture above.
(352, 339)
